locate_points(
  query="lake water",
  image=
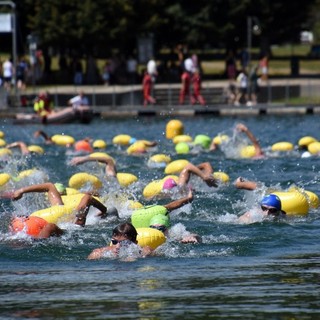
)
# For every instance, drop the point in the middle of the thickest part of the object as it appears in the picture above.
(265, 270)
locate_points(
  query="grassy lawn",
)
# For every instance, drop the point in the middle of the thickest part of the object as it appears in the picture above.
(280, 67)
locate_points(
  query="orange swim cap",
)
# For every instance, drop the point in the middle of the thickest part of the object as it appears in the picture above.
(30, 225)
(83, 145)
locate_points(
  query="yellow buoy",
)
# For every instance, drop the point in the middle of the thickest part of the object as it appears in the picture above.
(174, 128)
(248, 152)
(314, 201)
(160, 158)
(99, 144)
(150, 237)
(36, 149)
(220, 139)
(305, 141)
(152, 189)
(121, 139)
(62, 140)
(182, 138)
(1, 134)
(4, 179)
(176, 166)
(134, 205)
(221, 177)
(5, 152)
(314, 147)
(82, 179)
(125, 179)
(293, 202)
(282, 146)
(2, 142)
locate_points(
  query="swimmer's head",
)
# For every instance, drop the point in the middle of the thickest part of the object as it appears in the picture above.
(160, 222)
(271, 200)
(60, 187)
(132, 140)
(168, 184)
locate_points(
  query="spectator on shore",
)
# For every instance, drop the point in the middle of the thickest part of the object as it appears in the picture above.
(147, 89)
(242, 95)
(231, 66)
(264, 67)
(7, 73)
(196, 84)
(43, 104)
(78, 101)
(253, 86)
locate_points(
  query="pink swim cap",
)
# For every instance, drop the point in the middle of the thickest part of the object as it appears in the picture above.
(169, 184)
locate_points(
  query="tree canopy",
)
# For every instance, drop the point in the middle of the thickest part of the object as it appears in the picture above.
(100, 27)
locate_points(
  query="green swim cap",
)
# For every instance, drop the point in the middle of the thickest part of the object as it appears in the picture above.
(60, 187)
(160, 219)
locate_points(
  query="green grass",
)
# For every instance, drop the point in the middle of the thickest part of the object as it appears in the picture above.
(217, 67)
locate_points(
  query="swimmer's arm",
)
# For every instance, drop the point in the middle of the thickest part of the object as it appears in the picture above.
(245, 218)
(23, 147)
(146, 251)
(240, 183)
(53, 194)
(180, 202)
(110, 169)
(42, 134)
(98, 253)
(242, 128)
(84, 206)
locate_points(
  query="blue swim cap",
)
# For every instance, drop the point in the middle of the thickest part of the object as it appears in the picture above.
(132, 140)
(271, 200)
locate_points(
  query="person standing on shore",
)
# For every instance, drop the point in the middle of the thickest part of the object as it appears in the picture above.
(147, 88)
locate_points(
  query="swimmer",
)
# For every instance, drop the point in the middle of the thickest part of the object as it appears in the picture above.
(21, 145)
(55, 199)
(270, 207)
(45, 136)
(111, 170)
(203, 170)
(258, 151)
(162, 223)
(35, 227)
(123, 236)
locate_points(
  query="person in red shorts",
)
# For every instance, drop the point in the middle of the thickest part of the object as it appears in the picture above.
(147, 88)
(196, 83)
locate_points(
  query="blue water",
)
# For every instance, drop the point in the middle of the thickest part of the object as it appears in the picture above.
(265, 270)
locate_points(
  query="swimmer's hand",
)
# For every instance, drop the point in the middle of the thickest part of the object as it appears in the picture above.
(146, 251)
(17, 195)
(190, 195)
(241, 127)
(77, 160)
(192, 238)
(210, 181)
(238, 183)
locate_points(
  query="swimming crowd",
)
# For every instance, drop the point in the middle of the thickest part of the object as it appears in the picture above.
(147, 227)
